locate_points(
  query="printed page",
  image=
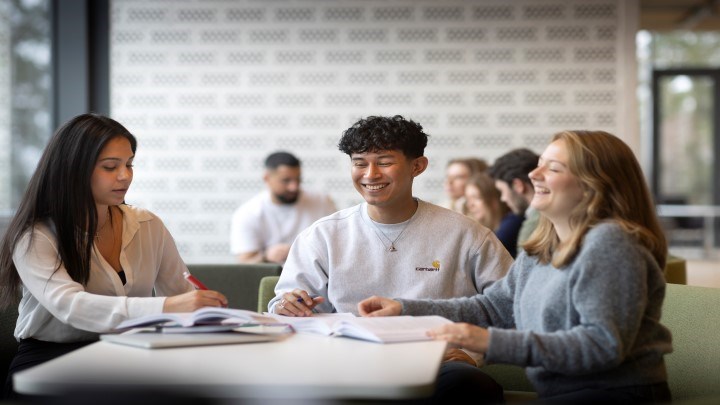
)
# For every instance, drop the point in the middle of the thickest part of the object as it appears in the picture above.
(317, 323)
(391, 328)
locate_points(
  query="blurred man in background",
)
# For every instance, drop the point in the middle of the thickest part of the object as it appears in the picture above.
(263, 228)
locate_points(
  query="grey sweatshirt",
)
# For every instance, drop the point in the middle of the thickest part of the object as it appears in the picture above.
(344, 257)
(592, 324)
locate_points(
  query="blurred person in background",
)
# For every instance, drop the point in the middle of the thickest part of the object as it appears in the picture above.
(510, 172)
(263, 228)
(457, 173)
(482, 200)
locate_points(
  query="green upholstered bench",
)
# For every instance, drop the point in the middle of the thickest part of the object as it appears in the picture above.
(239, 282)
(693, 316)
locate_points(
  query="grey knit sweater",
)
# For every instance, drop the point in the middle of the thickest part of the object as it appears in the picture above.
(592, 324)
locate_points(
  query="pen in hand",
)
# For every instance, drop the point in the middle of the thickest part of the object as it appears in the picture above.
(194, 281)
(197, 283)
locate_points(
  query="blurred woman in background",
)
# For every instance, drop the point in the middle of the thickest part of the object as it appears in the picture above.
(457, 173)
(482, 201)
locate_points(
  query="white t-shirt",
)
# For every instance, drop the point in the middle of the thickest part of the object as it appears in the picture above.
(261, 223)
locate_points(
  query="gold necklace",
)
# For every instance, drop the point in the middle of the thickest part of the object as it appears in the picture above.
(107, 218)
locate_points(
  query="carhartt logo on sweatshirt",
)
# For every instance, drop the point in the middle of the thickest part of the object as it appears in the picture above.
(435, 267)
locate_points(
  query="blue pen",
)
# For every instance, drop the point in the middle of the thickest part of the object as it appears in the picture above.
(303, 301)
(312, 297)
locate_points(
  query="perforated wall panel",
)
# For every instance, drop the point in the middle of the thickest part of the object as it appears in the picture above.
(211, 87)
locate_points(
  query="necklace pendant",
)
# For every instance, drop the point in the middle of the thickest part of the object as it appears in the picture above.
(392, 248)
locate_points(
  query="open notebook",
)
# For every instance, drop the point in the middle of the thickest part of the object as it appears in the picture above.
(377, 329)
(203, 316)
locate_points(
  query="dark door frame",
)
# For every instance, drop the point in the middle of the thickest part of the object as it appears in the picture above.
(80, 58)
(657, 75)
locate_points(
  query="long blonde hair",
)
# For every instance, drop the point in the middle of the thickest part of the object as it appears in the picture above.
(613, 189)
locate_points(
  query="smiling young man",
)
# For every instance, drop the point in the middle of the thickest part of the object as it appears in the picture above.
(393, 244)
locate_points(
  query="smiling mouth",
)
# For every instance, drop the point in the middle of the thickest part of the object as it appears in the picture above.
(374, 187)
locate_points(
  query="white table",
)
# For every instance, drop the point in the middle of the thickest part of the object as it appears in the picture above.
(299, 367)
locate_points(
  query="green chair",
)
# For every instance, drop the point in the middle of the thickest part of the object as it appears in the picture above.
(266, 292)
(237, 281)
(693, 316)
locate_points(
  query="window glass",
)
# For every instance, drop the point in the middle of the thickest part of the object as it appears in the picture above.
(25, 94)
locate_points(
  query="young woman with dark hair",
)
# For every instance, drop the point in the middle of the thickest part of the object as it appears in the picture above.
(79, 260)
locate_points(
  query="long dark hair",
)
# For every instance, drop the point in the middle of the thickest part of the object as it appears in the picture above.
(59, 193)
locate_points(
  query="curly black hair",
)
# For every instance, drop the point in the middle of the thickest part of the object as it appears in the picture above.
(375, 133)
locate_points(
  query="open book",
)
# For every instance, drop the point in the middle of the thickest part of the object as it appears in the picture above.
(207, 316)
(213, 319)
(377, 329)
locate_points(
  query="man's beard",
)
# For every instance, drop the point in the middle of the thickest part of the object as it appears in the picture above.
(287, 198)
(521, 204)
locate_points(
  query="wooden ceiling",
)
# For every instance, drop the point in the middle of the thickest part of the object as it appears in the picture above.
(668, 15)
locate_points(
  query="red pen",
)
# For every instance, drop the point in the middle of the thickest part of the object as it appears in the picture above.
(194, 281)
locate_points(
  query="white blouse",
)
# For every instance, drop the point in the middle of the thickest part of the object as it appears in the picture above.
(55, 308)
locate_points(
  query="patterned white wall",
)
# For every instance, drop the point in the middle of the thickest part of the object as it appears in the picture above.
(211, 87)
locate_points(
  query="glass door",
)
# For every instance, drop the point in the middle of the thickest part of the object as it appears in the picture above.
(685, 150)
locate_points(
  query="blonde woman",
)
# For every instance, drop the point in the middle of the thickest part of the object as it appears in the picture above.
(580, 308)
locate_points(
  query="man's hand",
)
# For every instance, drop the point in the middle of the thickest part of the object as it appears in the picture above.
(297, 303)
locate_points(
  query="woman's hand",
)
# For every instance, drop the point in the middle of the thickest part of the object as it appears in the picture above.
(193, 300)
(297, 303)
(379, 306)
(465, 335)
